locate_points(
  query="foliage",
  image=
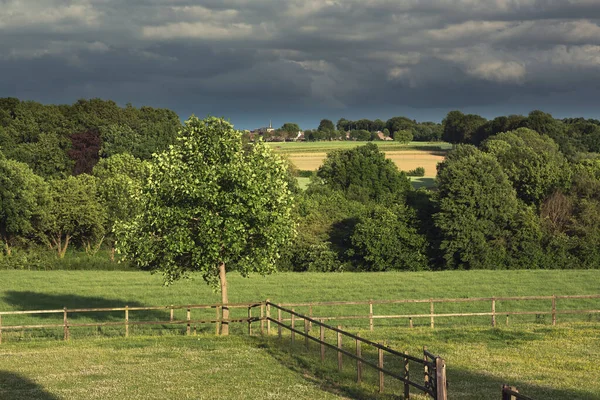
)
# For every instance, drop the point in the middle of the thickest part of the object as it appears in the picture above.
(85, 151)
(419, 171)
(74, 213)
(363, 173)
(385, 239)
(23, 202)
(209, 201)
(460, 128)
(403, 136)
(533, 163)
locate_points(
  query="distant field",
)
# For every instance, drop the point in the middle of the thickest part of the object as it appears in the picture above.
(310, 155)
(545, 362)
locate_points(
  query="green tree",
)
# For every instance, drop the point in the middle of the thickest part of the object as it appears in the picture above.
(363, 173)
(461, 128)
(211, 202)
(23, 198)
(290, 128)
(386, 239)
(533, 163)
(404, 136)
(482, 223)
(74, 213)
(326, 125)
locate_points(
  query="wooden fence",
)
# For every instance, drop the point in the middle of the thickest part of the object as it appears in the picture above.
(434, 367)
(493, 314)
(66, 325)
(511, 393)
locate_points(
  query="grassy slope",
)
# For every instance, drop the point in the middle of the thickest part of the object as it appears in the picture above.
(543, 361)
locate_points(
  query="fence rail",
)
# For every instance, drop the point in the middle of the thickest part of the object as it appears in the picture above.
(494, 313)
(126, 323)
(511, 393)
(434, 367)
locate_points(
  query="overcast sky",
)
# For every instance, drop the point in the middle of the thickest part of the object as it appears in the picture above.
(303, 60)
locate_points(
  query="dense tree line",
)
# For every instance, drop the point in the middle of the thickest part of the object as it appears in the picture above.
(515, 192)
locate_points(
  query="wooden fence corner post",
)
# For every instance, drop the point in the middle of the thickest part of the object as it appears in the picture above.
(322, 338)
(268, 317)
(126, 321)
(431, 312)
(262, 318)
(293, 334)
(406, 378)
(189, 317)
(371, 315)
(339, 345)
(440, 378)
(280, 322)
(553, 309)
(380, 365)
(358, 363)
(66, 324)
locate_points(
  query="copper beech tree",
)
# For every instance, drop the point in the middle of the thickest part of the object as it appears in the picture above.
(211, 203)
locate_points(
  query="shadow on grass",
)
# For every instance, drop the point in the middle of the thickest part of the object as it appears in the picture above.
(310, 367)
(27, 300)
(462, 383)
(470, 385)
(17, 387)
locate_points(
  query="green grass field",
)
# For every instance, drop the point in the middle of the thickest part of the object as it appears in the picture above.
(325, 146)
(543, 361)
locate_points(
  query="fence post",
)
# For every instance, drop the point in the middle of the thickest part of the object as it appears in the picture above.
(249, 321)
(0, 328)
(506, 395)
(371, 315)
(189, 317)
(126, 321)
(310, 315)
(440, 379)
(553, 309)
(339, 345)
(268, 316)
(293, 327)
(380, 364)
(410, 323)
(280, 322)
(262, 319)
(322, 338)
(171, 319)
(506, 319)
(218, 317)
(66, 325)
(493, 312)
(431, 311)
(358, 363)
(306, 334)
(425, 368)
(406, 378)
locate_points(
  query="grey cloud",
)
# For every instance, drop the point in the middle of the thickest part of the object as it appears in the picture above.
(314, 57)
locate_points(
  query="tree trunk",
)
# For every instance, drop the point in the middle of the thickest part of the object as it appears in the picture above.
(224, 299)
(7, 247)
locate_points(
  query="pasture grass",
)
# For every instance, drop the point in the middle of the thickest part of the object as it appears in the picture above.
(543, 361)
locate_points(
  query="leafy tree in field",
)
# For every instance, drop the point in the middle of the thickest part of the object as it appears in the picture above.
(343, 124)
(460, 128)
(396, 124)
(23, 198)
(290, 128)
(533, 163)
(363, 173)
(211, 202)
(482, 223)
(385, 240)
(74, 213)
(403, 136)
(360, 135)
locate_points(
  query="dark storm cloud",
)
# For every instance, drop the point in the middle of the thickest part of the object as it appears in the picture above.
(303, 57)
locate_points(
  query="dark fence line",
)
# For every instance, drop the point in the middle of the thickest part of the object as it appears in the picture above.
(434, 367)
